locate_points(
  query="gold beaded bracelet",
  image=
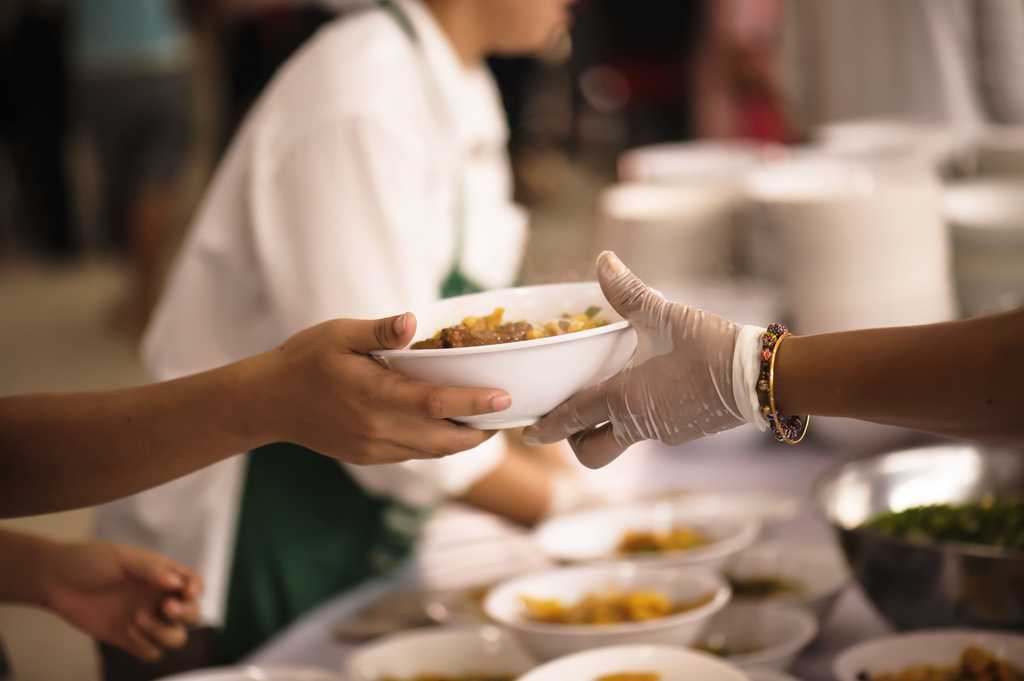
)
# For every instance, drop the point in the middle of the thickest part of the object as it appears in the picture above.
(790, 430)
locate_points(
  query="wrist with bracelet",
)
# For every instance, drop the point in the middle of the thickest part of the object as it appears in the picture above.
(787, 429)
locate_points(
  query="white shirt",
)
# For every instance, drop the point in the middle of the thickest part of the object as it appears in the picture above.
(336, 199)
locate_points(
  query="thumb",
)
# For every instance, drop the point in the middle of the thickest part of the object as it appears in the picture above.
(627, 293)
(390, 333)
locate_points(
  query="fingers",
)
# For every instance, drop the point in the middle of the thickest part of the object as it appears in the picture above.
(380, 452)
(161, 634)
(365, 335)
(140, 646)
(180, 611)
(582, 411)
(437, 438)
(627, 293)
(598, 447)
(433, 402)
(154, 569)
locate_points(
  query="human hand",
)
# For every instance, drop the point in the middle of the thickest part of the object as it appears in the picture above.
(321, 389)
(121, 595)
(678, 387)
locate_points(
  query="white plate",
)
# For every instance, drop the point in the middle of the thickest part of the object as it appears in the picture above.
(538, 374)
(448, 652)
(253, 673)
(547, 641)
(939, 647)
(673, 664)
(593, 535)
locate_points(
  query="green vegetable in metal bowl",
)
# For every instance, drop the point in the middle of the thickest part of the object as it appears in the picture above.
(991, 522)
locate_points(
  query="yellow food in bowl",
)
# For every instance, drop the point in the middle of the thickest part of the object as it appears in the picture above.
(601, 609)
(491, 330)
(678, 539)
(463, 677)
(630, 676)
(975, 664)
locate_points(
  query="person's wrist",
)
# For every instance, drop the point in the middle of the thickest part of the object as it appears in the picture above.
(253, 386)
(43, 569)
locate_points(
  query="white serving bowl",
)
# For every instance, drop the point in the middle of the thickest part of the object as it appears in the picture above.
(256, 673)
(538, 374)
(762, 674)
(938, 647)
(588, 536)
(547, 641)
(446, 652)
(819, 568)
(774, 635)
(672, 664)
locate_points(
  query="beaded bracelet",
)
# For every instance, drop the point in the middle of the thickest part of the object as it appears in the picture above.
(788, 429)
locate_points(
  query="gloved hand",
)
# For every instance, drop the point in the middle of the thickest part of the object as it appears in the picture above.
(678, 386)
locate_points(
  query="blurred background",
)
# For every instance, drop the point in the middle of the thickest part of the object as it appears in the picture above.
(833, 163)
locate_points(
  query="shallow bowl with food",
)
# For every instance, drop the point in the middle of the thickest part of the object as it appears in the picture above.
(694, 595)
(539, 374)
(256, 673)
(648, 662)
(765, 636)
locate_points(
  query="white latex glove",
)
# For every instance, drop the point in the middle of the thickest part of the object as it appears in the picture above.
(678, 387)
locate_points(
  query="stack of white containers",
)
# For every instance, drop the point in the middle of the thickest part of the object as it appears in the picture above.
(856, 246)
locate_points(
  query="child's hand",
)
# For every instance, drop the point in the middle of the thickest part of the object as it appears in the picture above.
(124, 596)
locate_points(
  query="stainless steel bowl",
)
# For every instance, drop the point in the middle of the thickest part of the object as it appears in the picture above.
(916, 584)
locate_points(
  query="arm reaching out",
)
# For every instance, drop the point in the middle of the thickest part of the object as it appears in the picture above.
(319, 389)
(958, 379)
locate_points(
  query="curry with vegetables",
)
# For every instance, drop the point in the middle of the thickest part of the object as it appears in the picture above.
(975, 664)
(998, 523)
(611, 608)
(677, 539)
(493, 330)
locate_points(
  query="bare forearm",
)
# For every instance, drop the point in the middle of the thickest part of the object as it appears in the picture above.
(516, 490)
(65, 451)
(961, 379)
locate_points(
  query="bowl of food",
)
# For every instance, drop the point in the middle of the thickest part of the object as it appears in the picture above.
(940, 655)
(541, 344)
(934, 535)
(566, 610)
(637, 663)
(454, 654)
(256, 673)
(764, 636)
(810, 576)
(762, 674)
(657, 533)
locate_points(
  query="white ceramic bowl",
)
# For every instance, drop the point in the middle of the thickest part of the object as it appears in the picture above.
(547, 641)
(593, 535)
(819, 569)
(761, 674)
(938, 646)
(672, 664)
(256, 673)
(773, 635)
(446, 652)
(538, 374)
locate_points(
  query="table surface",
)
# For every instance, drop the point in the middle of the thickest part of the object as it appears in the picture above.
(737, 463)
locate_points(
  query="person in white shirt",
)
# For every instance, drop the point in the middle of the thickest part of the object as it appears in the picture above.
(370, 178)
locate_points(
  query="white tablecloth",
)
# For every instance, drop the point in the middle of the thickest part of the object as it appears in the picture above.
(737, 462)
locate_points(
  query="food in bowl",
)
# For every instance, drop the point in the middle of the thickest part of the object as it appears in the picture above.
(991, 522)
(764, 586)
(460, 677)
(630, 676)
(492, 330)
(723, 649)
(975, 664)
(680, 538)
(609, 608)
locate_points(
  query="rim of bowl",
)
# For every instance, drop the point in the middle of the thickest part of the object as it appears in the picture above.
(626, 648)
(809, 630)
(970, 635)
(820, 548)
(474, 632)
(254, 671)
(517, 345)
(748, 528)
(958, 548)
(722, 590)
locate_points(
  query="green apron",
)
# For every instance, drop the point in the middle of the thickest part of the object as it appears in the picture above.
(306, 530)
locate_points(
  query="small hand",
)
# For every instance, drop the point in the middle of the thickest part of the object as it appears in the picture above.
(124, 596)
